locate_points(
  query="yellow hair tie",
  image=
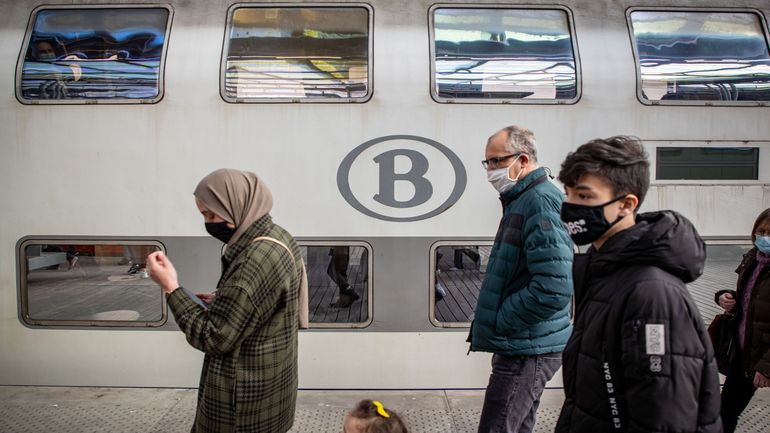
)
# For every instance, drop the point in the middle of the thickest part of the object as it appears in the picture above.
(381, 410)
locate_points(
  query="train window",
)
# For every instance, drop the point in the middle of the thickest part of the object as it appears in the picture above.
(496, 54)
(719, 163)
(722, 257)
(340, 292)
(77, 283)
(458, 271)
(94, 54)
(298, 54)
(700, 56)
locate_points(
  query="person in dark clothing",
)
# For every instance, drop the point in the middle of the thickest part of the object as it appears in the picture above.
(750, 306)
(338, 272)
(522, 314)
(639, 358)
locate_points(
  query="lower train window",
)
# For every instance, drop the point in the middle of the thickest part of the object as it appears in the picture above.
(94, 54)
(77, 283)
(457, 271)
(703, 163)
(298, 54)
(688, 56)
(497, 54)
(339, 276)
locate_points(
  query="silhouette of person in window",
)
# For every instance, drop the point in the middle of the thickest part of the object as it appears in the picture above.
(55, 84)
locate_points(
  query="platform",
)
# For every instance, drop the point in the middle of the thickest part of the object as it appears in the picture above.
(143, 410)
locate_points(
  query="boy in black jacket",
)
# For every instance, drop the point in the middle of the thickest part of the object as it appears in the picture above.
(639, 358)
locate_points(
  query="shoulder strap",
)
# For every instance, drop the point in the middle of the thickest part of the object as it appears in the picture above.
(304, 295)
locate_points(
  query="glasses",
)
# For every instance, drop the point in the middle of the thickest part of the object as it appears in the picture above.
(493, 163)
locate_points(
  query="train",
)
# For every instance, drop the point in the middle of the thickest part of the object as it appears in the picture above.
(368, 121)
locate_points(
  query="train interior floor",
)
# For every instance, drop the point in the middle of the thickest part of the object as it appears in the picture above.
(143, 410)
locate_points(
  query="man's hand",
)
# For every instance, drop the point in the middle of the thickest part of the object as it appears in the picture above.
(162, 271)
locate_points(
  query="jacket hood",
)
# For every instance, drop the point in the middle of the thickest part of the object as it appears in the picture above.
(664, 239)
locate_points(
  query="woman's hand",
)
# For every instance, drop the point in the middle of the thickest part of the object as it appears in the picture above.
(761, 381)
(162, 271)
(727, 302)
(207, 297)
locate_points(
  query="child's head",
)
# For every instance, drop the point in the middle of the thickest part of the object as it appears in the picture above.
(620, 162)
(605, 181)
(372, 417)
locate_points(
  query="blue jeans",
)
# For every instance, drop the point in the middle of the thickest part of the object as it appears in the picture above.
(514, 391)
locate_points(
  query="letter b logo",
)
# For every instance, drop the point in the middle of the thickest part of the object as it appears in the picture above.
(415, 178)
(388, 177)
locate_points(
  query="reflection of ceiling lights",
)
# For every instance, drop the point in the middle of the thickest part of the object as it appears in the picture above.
(724, 69)
(461, 35)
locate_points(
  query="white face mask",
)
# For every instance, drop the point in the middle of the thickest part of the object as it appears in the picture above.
(500, 180)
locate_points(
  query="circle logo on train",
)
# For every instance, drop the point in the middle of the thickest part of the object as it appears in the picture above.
(401, 178)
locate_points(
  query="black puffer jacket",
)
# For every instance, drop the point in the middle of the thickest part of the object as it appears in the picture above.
(757, 346)
(639, 358)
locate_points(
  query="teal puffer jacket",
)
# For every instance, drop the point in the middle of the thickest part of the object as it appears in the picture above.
(523, 306)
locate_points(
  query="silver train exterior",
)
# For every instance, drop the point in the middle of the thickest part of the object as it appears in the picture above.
(125, 172)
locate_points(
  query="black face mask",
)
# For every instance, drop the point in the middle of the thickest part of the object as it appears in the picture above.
(220, 231)
(586, 223)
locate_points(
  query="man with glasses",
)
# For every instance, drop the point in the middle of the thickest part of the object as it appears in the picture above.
(522, 314)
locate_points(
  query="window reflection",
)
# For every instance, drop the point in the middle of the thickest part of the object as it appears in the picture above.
(459, 272)
(297, 53)
(105, 53)
(338, 280)
(702, 56)
(92, 283)
(503, 54)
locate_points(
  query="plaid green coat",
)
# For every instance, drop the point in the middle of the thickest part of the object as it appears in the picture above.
(249, 336)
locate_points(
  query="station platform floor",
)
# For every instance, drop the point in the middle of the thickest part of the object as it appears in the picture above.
(153, 410)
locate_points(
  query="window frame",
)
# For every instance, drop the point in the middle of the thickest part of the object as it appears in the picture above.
(480, 242)
(22, 289)
(326, 5)
(304, 242)
(28, 35)
(659, 164)
(637, 64)
(524, 101)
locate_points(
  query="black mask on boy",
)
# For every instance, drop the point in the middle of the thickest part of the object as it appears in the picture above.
(220, 231)
(586, 223)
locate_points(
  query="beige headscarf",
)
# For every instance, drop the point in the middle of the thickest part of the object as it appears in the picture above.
(238, 197)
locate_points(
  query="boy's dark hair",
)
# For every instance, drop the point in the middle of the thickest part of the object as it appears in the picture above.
(621, 161)
(763, 218)
(376, 423)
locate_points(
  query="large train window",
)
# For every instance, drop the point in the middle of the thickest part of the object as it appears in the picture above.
(503, 54)
(457, 271)
(704, 163)
(298, 54)
(86, 283)
(339, 280)
(93, 54)
(700, 57)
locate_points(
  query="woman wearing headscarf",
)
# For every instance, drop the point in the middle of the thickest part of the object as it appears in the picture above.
(750, 305)
(249, 330)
